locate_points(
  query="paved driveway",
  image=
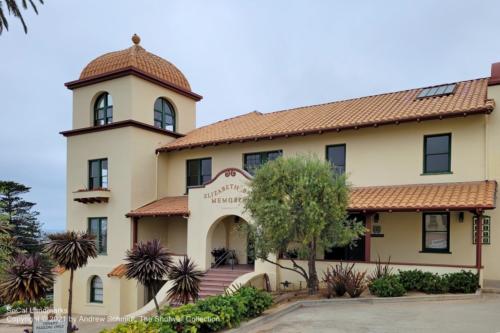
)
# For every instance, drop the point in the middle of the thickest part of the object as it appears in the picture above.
(475, 315)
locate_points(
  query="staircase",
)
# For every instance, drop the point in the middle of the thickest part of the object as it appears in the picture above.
(216, 280)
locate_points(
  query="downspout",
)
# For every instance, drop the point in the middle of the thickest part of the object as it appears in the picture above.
(156, 175)
(486, 149)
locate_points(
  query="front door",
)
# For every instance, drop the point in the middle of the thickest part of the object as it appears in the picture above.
(354, 251)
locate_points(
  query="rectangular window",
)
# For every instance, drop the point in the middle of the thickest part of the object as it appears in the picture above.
(252, 161)
(98, 226)
(335, 154)
(198, 171)
(98, 174)
(436, 232)
(437, 153)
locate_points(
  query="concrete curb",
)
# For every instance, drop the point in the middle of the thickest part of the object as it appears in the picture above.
(251, 326)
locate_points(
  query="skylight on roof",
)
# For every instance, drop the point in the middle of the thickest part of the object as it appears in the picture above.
(445, 89)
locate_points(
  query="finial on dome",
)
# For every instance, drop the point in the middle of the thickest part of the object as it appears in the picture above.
(136, 39)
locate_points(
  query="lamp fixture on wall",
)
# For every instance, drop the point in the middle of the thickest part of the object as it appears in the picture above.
(461, 217)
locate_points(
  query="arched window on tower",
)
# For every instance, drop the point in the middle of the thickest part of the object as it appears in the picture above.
(96, 290)
(164, 114)
(103, 110)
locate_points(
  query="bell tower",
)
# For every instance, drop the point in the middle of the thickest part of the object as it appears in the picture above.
(126, 104)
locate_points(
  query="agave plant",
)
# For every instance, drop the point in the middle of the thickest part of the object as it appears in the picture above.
(147, 263)
(71, 250)
(186, 281)
(27, 279)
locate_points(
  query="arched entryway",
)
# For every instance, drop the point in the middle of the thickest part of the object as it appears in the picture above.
(228, 242)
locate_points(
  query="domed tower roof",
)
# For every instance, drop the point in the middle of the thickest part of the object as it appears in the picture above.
(137, 61)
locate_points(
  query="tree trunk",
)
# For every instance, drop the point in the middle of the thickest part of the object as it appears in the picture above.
(32, 316)
(70, 300)
(152, 289)
(312, 282)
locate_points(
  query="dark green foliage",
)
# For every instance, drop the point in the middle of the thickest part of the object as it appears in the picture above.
(254, 301)
(147, 263)
(387, 286)
(3, 310)
(13, 9)
(186, 279)
(20, 216)
(208, 315)
(412, 279)
(462, 282)
(27, 279)
(299, 202)
(432, 283)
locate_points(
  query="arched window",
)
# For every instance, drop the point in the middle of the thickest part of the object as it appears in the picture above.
(103, 110)
(96, 290)
(164, 114)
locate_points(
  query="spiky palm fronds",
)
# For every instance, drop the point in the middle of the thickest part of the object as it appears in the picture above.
(186, 279)
(71, 249)
(13, 8)
(148, 262)
(27, 279)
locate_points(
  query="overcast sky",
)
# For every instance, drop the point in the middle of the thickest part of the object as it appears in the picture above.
(240, 55)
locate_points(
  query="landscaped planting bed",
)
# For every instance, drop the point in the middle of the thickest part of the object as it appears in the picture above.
(208, 315)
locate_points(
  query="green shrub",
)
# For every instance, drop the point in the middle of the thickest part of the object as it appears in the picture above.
(254, 301)
(432, 283)
(208, 315)
(388, 286)
(462, 282)
(411, 280)
(3, 310)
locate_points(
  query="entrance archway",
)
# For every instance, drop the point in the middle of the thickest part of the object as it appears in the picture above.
(229, 233)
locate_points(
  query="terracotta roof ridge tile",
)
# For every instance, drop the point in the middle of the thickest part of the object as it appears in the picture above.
(424, 184)
(373, 95)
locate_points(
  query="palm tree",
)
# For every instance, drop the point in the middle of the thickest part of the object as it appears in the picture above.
(27, 279)
(13, 8)
(187, 281)
(147, 263)
(71, 250)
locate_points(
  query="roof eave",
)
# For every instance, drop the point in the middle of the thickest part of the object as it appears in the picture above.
(131, 71)
(488, 108)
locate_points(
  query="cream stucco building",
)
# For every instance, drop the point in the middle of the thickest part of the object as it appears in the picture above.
(424, 165)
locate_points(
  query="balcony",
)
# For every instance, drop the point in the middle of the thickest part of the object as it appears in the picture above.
(85, 196)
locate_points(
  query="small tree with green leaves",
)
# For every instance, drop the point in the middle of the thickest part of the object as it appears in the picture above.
(186, 281)
(300, 203)
(147, 263)
(71, 250)
(26, 279)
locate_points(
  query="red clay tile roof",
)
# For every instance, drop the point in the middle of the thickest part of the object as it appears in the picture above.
(119, 271)
(440, 196)
(470, 97)
(58, 270)
(452, 196)
(168, 206)
(136, 57)
(137, 61)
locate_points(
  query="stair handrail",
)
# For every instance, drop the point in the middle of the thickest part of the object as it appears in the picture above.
(230, 254)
